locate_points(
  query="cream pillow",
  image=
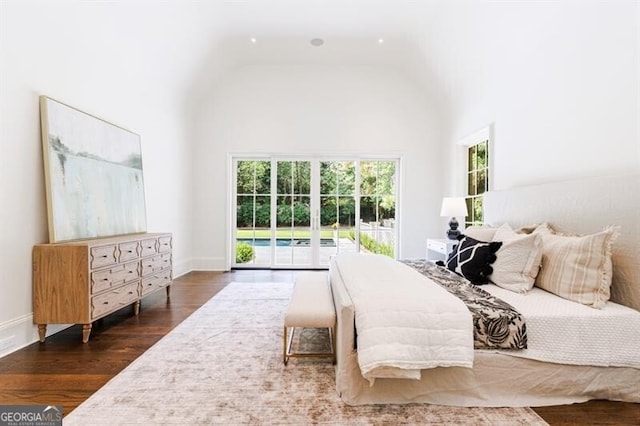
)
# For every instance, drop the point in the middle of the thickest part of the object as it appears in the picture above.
(481, 233)
(518, 260)
(577, 267)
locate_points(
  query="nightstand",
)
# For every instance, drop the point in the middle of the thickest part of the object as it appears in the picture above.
(439, 249)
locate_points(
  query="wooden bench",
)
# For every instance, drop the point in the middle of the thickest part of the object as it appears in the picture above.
(311, 306)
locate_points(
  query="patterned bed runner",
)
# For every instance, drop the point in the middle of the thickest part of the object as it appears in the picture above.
(496, 324)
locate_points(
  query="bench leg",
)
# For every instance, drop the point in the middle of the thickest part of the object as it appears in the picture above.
(288, 341)
(285, 358)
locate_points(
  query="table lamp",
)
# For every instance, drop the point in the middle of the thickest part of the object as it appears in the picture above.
(452, 207)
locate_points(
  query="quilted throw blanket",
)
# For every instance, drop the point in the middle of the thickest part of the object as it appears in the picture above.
(404, 321)
(496, 324)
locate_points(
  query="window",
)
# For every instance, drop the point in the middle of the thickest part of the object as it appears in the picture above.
(477, 181)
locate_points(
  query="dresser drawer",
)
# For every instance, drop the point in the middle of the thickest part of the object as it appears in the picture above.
(164, 244)
(128, 251)
(155, 263)
(148, 247)
(114, 299)
(106, 278)
(156, 281)
(103, 256)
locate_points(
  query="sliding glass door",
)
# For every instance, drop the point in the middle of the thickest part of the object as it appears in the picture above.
(337, 209)
(252, 212)
(295, 239)
(377, 198)
(298, 212)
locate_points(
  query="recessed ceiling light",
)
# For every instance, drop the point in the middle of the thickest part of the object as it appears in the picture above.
(253, 40)
(380, 40)
(317, 42)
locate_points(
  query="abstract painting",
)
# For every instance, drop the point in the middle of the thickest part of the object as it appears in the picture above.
(93, 175)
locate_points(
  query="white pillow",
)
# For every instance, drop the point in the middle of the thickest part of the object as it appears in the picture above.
(518, 261)
(577, 267)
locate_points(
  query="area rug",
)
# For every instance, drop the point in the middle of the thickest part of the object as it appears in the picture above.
(223, 365)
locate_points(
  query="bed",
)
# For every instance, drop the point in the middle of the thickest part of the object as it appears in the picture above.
(573, 354)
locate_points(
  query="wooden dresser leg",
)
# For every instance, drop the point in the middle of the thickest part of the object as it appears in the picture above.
(86, 331)
(136, 307)
(42, 332)
(169, 291)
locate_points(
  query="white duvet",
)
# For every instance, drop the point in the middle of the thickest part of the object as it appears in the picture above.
(398, 335)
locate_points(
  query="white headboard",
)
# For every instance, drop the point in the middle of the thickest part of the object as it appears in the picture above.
(582, 206)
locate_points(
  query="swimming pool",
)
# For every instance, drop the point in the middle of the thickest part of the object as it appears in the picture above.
(286, 242)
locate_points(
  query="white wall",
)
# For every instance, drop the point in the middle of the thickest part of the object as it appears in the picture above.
(560, 80)
(315, 109)
(96, 59)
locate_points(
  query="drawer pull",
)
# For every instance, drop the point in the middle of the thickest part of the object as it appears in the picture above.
(104, 255)
(105, 303)
(105, 279)
(130, 292)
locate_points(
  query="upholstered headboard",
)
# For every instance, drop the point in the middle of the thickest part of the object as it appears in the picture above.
(582, 206)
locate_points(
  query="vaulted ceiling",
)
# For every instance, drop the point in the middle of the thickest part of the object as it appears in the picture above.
(454, 50)
(363, 33)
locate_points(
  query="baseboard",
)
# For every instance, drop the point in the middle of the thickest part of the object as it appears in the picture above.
(20, 332)
(185, 266)
(182, 267)
(208, 264)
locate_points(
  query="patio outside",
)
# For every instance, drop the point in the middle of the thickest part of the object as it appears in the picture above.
(293, 246)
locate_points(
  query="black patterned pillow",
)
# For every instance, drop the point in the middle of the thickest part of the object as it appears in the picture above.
(472, 259)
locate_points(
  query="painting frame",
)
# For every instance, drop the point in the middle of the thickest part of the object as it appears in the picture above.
(93, 175)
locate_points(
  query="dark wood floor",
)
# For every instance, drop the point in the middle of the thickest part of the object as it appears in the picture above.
(64, 371)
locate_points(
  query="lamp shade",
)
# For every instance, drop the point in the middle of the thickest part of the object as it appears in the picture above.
(453, 206)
